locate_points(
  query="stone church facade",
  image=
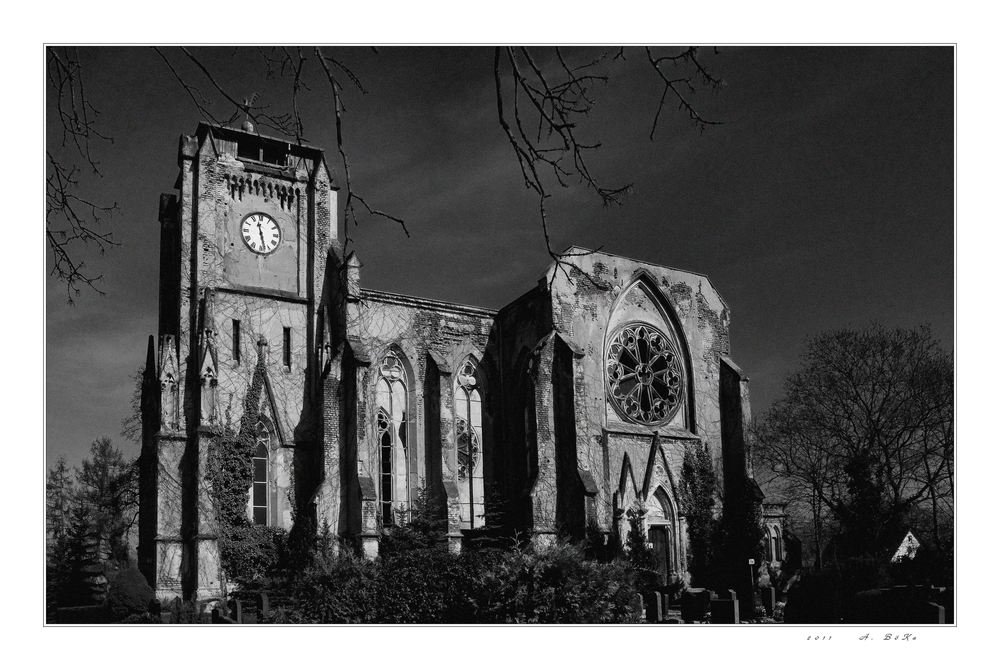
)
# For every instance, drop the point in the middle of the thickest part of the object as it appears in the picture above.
(565, 413)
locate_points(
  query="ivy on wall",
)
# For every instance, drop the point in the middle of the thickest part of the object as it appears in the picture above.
(697, 493)
(247, 551)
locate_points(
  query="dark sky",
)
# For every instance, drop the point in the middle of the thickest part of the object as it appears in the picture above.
(824, 200)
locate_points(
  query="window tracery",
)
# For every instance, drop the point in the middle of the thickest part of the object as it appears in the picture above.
(261, 476)
(469, 444)
(644, 375)
(390, 433)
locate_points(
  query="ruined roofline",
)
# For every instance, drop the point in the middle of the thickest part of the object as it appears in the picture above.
(300, 148)
(203, 128)
(530, 293)
(578, 250)
(426, 303)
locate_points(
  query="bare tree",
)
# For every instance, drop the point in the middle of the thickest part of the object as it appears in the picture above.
(542, 99)
(542, 95)
(865, 431)
(72, 221)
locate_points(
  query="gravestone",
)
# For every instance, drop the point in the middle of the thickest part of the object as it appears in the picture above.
(694, 604)
(218, 616)
(664, 592)
(236, 610)
(263, 606)
(728, 594)
(948, 596)
(654, 607)
(664, 605)
(725, 611)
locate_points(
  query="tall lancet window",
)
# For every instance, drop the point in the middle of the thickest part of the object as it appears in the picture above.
(261, 476)
(469, 441)
(390, 430)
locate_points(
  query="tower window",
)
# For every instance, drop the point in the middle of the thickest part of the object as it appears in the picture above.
(236, 340)
(286, 350)
(248, 149)
(252, 149)
(273, 155)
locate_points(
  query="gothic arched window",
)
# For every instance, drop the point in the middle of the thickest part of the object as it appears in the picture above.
(644, 375)
(261, 476)
(773, 544)
(469, 443)
(390, 433)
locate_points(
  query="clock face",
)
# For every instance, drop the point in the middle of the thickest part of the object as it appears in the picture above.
(261, 233)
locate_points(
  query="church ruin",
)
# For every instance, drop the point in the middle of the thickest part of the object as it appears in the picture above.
(566, 412)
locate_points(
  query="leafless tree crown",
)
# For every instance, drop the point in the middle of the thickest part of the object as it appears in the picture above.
(542, 95)
(72, 221)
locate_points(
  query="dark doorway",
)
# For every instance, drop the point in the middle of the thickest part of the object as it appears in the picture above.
(660, 537)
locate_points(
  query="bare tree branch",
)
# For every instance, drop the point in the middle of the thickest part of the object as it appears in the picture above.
(338, 107)
(541, 104)
(681, 85)
(293, 65)
(866, 425)
(553, 102)
(71, 221)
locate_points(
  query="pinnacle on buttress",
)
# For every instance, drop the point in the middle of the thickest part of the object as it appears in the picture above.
(208, 311)
(149, 372)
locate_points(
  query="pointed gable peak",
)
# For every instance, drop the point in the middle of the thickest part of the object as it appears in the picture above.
(168, 358)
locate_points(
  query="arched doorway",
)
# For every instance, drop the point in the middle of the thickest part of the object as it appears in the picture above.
(661, 529)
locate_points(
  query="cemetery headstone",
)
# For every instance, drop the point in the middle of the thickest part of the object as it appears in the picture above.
(725, 611)
(236, 610)
(263, 606)
(654, 605)
(695, 604)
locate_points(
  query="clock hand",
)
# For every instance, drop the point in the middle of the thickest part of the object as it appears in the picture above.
(261, 232)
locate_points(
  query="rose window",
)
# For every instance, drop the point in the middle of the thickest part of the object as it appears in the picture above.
(644, 375)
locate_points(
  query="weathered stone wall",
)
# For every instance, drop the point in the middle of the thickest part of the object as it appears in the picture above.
(262, 318)
(587, 307)
(524, 437)
(208, 279)
(432, 339)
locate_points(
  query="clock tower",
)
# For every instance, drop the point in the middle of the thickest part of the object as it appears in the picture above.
(243, 249)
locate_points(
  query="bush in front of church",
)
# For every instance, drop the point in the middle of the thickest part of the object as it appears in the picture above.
(128, 594)
(557, 584)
